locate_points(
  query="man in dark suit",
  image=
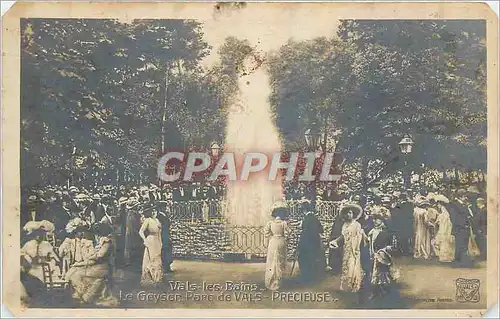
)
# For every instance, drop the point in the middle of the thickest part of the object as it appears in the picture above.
(60, 215)
(460, 215)
(402, 224)
(479, 226)
(166, 241)
(177, 194)
(330, 194)
(96, 210)
(40, 206)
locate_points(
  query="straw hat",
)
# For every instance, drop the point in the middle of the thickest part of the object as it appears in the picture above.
(441, 198)
(148, 207)
(122, 200)
(461, 192)
(396, 194)
(278, 204)
(421, 201)
(132, 202)
(430, 197)
(44, 225)
(473, 189)
(75, 225)
(386, 199)
(279, 209)
(380, 213)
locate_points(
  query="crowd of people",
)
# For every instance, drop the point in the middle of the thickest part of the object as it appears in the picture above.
(363, 243)
(81, 236)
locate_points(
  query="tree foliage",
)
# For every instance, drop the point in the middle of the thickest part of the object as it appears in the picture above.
(378, 80)
(101, 87)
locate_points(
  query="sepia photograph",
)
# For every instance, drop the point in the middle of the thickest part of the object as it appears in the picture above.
(229, 160)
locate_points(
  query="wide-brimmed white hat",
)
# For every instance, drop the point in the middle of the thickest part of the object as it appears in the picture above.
(380, 213)
(430, 197)
(358, 211)
(473, 189)
(76, 224)
(421, 201)
(386, 199)
(441, 198)
(132, 202)
(279, 208)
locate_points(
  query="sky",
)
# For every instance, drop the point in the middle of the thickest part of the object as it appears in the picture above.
(267, 31)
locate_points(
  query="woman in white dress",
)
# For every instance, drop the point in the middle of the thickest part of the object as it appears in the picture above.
(90, 279)
(352, 238)
(422, 248)
(276, 230)
(150, 232)
(38, 251)
(444, 242)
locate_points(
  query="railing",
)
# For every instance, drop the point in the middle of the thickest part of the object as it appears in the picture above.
(247, 240)
(207, 210)
(199, 229)
(204, 210)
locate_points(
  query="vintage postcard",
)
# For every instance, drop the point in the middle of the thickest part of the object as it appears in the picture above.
(251, 159)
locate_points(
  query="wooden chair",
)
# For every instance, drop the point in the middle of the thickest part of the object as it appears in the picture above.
(51, 238)
(51, 283)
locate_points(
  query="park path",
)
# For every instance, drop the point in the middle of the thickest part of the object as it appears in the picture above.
(422, 281)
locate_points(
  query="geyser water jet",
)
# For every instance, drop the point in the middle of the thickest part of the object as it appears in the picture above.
(251, 129)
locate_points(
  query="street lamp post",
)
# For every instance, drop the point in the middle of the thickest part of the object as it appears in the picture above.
(215, 149)
(73, 164)
(405, 146)
(313, 141)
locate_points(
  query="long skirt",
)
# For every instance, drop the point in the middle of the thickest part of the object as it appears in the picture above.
(275, 262)
(152, 269)
(91, 284)
(444, 245)
(352, 273)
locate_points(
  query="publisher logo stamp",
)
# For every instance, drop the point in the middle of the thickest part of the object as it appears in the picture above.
(467, 290)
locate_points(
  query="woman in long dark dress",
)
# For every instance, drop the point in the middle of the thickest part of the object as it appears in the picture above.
(335, 255)
(311, 252)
